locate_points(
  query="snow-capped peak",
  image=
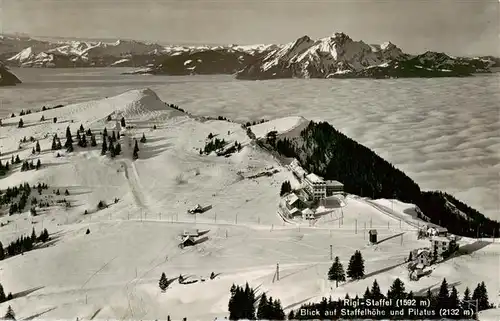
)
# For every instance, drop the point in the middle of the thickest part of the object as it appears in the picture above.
(328, 54)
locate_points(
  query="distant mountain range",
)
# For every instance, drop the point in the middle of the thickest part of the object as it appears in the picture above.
(336, 56)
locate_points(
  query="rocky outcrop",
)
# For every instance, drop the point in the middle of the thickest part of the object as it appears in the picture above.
(7, 78)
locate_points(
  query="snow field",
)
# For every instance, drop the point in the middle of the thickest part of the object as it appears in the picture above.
(113, 272)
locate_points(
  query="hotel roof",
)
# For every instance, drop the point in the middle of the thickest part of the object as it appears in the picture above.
(314, 178)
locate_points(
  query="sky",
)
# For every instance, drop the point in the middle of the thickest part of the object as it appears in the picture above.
(461, 27)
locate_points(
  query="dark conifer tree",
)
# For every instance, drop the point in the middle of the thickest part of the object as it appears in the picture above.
(105, 132)
(263, 310)
(37, 148)
(33, 235)
(112, 150)
(78, 138)
(410, 295)
(93, 142)
(481, 295)
(38, 164)
(113, 137)
(454, 301)
(84, 141)
(81, 128)
(2, 252)
(466, 295)
(109, 118)
(136, 151)
(118, 148)
(33, 151)
(336, 272)
(397, 290)
(104, 148)
(143, 138)
(356, 267)
(10, 315)
(21, 123)
(2, 294)
(163, 283)
(89, 132)
(277, 311)
(367, 294)
(443, 295)
(68, 135)
(122, 122)
(375, 291)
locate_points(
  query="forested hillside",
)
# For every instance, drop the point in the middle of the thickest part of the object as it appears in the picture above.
(327, 152)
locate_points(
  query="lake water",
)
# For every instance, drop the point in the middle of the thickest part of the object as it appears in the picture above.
(442, 132)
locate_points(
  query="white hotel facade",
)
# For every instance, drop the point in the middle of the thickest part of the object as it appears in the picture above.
(318, 188)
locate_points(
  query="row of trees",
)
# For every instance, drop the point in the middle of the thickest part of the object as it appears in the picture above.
(4, 168)
(24, 191)
(7, 195)
(243, 301)
(26, 166)
(355, 269)
(366, 174)
(213, 145)
(23, 244)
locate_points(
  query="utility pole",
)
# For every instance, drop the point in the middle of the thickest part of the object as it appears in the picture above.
(402, 239)
(277, 271)
(215, 218)
(387, 224)
(236, 220)
(355, 226)
(400, 224)
(331, 252)
(272, 227)
(370, 222)
(226, 233)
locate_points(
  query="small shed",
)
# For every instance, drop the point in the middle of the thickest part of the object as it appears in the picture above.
(373, 236)
(188, 241)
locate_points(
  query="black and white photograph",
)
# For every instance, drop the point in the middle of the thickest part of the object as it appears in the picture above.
(197, 160)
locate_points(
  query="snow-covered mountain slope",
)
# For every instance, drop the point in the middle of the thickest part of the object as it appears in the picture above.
(338, 56)
(7, 78)
(113, 271)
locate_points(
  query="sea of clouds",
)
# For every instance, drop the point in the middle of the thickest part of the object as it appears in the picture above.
(443, 132)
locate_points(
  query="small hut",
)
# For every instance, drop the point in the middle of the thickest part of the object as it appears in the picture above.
(373, 236)
(187, 240)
